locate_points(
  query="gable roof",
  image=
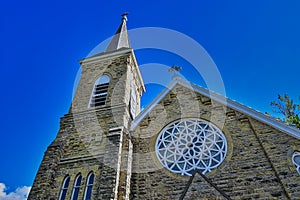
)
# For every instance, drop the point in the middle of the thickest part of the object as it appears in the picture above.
(292, 131)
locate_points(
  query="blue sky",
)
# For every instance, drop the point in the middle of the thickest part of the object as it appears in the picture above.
(254, 44)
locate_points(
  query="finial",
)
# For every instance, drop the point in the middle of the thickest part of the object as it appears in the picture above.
(124, 16)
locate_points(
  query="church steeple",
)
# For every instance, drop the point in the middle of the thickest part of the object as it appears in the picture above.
(91, 156)
(120, 39)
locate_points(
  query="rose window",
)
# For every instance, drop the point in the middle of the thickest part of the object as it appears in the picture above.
(190, 144)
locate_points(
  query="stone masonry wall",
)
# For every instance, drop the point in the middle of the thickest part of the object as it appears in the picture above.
(257, 166)
(89, 139)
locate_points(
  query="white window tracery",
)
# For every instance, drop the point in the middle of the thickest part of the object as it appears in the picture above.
(296, 161)
(190, 144)
(76, 188)
(89, 186)
(64, 188)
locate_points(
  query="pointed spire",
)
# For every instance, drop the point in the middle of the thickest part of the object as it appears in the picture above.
(120, 39)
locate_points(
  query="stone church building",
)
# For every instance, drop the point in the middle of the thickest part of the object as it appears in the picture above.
(188, 143)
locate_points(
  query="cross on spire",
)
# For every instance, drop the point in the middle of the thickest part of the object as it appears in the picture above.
(124, 16)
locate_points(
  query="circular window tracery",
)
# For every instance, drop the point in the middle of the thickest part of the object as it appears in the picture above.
(190, 144)
(296, 161)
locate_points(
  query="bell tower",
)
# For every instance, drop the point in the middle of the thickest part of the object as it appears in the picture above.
(91, 156)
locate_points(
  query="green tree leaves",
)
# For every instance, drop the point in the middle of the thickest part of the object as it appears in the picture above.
(288, 109)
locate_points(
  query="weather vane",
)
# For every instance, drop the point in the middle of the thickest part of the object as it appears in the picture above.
(174, 69)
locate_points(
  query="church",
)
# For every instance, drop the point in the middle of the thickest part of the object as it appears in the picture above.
(188, 143)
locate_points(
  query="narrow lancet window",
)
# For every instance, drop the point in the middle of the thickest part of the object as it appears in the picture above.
(99, 94)
(133, 104)
(89, 186)
(64, 188)
(76, 187)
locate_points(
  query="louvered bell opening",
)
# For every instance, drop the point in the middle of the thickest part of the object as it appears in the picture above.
(101, 88)
(100, 94)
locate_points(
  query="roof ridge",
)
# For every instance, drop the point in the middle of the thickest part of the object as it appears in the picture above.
(292, 131)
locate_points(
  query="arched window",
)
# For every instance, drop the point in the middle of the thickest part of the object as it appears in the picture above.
(89, 186)
(99, 93)
(296, 161)
(64, 188)
(76, 187)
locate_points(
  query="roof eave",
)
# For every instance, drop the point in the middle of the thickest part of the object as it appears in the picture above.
(292, 131)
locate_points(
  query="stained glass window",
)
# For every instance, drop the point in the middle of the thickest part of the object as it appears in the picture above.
(89, 186)
(64, 188)
(76, 187)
